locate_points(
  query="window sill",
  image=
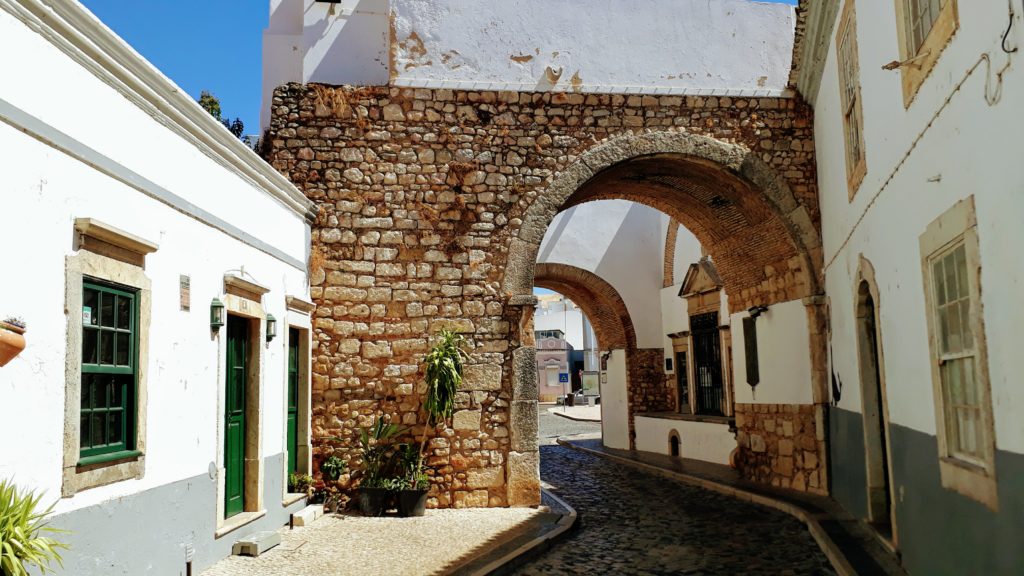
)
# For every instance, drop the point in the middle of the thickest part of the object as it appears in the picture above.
(237, 521)
(112, 458)
(970, 480)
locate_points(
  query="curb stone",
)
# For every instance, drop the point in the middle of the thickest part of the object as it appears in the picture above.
(507, 563)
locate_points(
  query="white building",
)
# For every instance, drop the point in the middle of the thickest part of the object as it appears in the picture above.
(920, 186)
(127, 212)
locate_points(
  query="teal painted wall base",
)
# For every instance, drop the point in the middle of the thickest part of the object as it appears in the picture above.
(146, 533)
(940, 531)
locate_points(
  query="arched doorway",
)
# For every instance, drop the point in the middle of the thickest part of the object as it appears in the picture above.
(874, 405)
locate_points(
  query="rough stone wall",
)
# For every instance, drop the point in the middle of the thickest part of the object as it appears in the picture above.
(650, 389)
(781, 445)
(421, 192)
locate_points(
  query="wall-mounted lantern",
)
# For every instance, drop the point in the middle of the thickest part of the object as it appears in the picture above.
(216, 314)
(271, 327)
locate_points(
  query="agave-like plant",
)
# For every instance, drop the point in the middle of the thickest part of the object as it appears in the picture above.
(23, 529)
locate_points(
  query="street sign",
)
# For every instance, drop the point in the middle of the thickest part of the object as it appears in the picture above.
(563, 378)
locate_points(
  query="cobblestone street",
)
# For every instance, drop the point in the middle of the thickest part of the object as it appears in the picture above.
(631, 522)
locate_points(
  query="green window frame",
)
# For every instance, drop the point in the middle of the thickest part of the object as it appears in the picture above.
(110, 342)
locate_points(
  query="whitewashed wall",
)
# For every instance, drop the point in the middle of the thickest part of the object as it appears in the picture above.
(615, 403)
(648, 46)
(45, 189)
(967, 150)
(618, 241)
(783, 353)
(707, 441)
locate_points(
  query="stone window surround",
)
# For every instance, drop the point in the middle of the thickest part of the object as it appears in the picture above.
(959, 223)
(243, 298)
(298, 317)
(104, 253)
(917, 65)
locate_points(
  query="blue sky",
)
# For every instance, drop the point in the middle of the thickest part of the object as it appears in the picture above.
(210, 45)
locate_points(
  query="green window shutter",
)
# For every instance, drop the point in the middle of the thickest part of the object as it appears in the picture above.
(109, 371)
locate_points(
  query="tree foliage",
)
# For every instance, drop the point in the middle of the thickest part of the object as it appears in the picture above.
(211, 104)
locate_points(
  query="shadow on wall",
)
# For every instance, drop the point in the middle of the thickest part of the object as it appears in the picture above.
(349, 47)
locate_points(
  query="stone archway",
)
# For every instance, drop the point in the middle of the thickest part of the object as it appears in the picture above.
(646, 388)
(723, 193)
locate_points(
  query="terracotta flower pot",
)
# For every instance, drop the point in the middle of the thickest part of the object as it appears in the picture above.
(11, 342)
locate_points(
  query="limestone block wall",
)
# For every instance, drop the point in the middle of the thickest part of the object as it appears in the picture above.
(421, 193)
(781, 445)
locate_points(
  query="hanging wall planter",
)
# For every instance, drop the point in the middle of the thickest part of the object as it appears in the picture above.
(12, 339)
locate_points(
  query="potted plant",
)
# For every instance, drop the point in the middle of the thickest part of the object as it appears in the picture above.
(12, 339)
(22, 528)
(414, 485)
(376, 482)
(444, 376)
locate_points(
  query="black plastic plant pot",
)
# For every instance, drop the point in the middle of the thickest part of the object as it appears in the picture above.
(372, 501)
(412, 502)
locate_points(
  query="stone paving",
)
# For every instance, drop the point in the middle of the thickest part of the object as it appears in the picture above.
(631, 522)
(552, 427)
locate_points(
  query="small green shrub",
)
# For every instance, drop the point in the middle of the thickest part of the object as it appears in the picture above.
(299, 483)
(332, 468)
(22, 529)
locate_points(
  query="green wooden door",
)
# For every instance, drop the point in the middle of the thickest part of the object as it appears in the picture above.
(293, 399)
(234, 416)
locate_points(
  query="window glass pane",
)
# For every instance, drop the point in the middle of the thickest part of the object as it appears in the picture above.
(90, 307)
(86, 393)
(961, 270)
(115, 434)
(106, 347)
(971, 396)
(953, 319)
(124, 309)
(943, 330)
(966, 324)
(123, 348)
(89, 352)
(107, 310)
(951, 377)
(99, 426)
(949, 265)
(968, 431)
(117, 390)
(940, 290)
(83, 432)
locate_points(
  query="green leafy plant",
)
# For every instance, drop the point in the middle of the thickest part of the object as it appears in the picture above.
(379, 454)
(411, 460)
(444, 376)
(332, 468)
(299, 483)
(23, 540)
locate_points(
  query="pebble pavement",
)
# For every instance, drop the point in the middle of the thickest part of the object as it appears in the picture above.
(631, 522)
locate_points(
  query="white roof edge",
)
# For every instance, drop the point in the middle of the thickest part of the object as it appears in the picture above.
(77, 32)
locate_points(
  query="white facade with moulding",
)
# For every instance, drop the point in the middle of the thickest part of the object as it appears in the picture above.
(732, 47)
(955, 142)
(125, 179)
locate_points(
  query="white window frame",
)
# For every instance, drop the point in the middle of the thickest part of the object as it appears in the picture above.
(974, 477)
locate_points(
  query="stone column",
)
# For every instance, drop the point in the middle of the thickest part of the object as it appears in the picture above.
(524, 457)
(817, 324)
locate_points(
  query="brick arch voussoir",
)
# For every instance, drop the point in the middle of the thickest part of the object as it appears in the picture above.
(598, 299)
